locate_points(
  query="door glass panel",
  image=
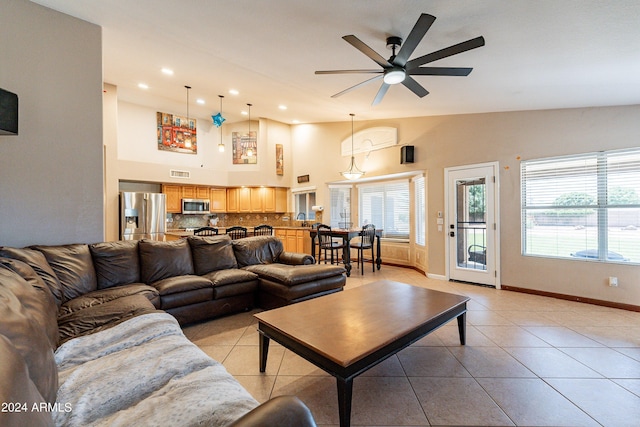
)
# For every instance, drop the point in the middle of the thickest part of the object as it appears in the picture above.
(471, 224)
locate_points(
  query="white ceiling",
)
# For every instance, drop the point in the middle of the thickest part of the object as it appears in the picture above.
(541, 54)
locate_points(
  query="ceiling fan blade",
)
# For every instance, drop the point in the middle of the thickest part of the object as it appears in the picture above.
(440, 71)
(350, 72)
(375, 56)
(447, 51)
(415, 87)
(357, 86)
(381, 92)
(415, 37)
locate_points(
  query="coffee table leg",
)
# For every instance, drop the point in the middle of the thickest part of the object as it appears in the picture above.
(264, 351)
(462, 327)
(345, 392)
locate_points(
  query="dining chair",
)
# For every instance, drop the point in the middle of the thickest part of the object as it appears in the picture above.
(205, 231)
(263, 230)
(364, 242)
(237, 232)
(326, 243)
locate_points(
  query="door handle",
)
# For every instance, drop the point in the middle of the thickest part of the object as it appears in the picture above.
(452, 233)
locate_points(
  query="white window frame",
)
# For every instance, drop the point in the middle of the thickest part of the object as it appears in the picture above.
(599, 174)
(382, 186)
(420, 208)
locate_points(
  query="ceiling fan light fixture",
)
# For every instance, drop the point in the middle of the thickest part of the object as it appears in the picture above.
(394, 76)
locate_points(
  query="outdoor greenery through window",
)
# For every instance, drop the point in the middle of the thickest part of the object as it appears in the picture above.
(583, 207)
(386, 205)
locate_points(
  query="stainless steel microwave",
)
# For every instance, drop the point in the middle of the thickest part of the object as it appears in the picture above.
(195, 206)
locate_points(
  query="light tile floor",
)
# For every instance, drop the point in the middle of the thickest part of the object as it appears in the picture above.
(529, 361)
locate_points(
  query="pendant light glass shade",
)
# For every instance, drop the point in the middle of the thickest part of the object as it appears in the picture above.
(353, 172)
(221, 144)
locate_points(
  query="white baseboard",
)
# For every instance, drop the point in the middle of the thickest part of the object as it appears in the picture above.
(436, 276)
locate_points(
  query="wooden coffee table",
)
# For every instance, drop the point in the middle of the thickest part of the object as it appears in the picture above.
(349, 332)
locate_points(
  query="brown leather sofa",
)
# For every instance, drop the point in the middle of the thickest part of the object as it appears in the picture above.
(50, 295)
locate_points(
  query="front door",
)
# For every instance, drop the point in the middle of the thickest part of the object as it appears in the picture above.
(472, 224)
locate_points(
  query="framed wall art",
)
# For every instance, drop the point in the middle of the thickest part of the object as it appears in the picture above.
(245, 148)
(279, 159)
(176, 133)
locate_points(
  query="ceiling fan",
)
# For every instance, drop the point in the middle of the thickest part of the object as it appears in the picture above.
(399, 69)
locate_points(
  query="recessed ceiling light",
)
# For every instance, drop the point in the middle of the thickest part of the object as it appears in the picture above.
(295, 122)
(233, 92)
(244, 113)
(282, 107)
(167, 71)
(143, 86)
(200, 101)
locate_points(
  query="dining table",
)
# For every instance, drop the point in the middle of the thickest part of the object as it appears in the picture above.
(347, 235)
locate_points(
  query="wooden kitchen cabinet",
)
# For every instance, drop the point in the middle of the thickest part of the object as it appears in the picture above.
(280, 199)
(188, 191)
(174, 197)
(294, 240)
(218, 198)
(244, 200)
(257, 199)
(202, 192)
(233, 198)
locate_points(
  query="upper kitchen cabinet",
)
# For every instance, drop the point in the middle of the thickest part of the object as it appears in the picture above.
(218, 198)
(233, 199)
(174, 197)
(195, 192)
(244, 200)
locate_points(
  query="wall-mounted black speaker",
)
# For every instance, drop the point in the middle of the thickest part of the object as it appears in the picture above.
(406, 154)
(8, 113)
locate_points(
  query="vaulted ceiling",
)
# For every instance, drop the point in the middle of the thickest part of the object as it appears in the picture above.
(542, 54)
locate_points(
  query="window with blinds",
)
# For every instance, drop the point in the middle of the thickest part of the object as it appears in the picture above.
(386, 205)
(583, 207)
(340, 206)
(421, 208)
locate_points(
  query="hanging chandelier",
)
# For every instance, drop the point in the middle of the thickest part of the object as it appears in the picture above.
(353, 172)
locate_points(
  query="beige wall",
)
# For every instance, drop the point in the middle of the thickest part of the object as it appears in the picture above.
(51, 174)
(448, 141)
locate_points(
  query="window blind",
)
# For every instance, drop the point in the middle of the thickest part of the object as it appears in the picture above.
(386, 205)
(420, 206)
(585, 206)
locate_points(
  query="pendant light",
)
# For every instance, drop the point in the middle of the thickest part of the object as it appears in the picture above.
(249, 146)
(353, 172)
(221, 144)
(187, 142)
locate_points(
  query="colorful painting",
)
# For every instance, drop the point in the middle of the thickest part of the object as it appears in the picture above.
(245, 148)
(279, 160)
(176, 133)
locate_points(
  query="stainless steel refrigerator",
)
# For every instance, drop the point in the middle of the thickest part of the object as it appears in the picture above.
(142, 216)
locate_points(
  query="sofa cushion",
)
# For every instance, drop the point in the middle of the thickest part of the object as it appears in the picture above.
(174, 285)
(73, 267)
(187, 298)
(39, 263)
(36, 298)
(116, 263)
(290, 275)
(228, 277)
(16, 387)
(20, 327)
(160, 260)
(102, 296)
(211, 253)
(102, 316)
(257, 250)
